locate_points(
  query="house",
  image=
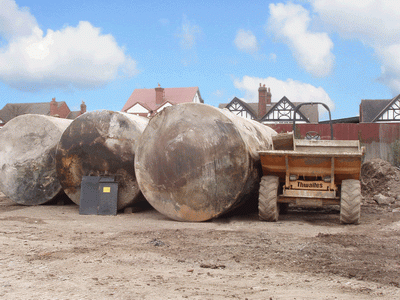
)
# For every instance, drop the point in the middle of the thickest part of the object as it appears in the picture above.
(149, 102)
(268, 112)
(53, 108)
(380, 111)
(241, 108)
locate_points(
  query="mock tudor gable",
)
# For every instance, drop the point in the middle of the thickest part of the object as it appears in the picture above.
(283, 112)
(241, 108)
(391, 113)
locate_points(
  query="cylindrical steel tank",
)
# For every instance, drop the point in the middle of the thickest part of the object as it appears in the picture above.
(100, 143)
(195, 162)
(27, 158)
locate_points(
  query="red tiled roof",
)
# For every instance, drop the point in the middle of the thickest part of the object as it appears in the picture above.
(147, 97)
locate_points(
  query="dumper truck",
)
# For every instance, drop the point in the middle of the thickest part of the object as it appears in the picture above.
(311, 172)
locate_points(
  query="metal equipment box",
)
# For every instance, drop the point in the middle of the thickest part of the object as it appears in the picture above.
(99, 195)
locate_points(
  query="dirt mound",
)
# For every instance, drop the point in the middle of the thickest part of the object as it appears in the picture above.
(379, 177)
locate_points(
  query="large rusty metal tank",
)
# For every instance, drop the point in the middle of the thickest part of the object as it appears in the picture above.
(195, 162)
(101, 143)
(27, 158)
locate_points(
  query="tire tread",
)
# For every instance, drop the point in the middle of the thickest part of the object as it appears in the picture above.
(268, 199)
(350, 202)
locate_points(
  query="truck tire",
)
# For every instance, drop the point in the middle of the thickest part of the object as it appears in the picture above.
(350, 202)
(268, 199)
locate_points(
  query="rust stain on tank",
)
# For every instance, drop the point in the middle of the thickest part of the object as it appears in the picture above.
(97, 144)
(69, 172)
(187, 213)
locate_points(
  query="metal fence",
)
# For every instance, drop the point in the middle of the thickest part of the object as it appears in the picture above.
(381, 140)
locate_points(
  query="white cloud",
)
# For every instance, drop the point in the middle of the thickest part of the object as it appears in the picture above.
(74, 57)
(313, 51)
(375, 23)
(15, 22)
(390, 58)
(188, 34)
(294, 90)
(246, 41)
(372, 21)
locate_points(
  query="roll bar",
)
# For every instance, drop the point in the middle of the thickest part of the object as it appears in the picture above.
(312, 103)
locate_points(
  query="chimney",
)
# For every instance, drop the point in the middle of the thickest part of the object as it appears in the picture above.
(159, 95)
(83, 108)
(262, 101)
(53, 107)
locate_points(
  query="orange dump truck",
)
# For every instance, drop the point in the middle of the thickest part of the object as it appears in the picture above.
(311, 172)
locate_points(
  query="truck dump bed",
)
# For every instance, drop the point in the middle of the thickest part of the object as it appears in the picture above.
(339, 159)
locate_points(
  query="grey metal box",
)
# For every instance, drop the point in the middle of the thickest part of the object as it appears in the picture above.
(99, 195)
(108, 196)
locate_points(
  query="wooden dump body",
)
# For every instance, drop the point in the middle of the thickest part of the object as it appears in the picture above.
(315, 158)
(309, 162)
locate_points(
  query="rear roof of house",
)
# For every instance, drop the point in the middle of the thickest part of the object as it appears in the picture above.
(147, 97)
(11, 110)
(369, 109)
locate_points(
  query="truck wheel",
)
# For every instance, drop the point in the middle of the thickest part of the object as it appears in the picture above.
(268, 199)
(350, 202)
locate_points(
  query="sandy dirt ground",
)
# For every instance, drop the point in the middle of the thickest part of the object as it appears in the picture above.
(52, 252)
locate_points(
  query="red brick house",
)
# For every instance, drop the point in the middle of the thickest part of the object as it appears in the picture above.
(54, 108)
(149, 102)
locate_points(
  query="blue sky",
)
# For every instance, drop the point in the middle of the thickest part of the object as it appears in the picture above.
(336, 52)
